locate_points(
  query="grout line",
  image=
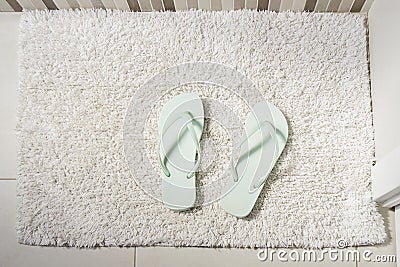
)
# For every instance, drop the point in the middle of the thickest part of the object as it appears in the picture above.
(356, 260)
(134, 258)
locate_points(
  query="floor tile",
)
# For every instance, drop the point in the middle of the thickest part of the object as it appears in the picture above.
(16, 255)
(8, 89)
(204, 257)
(384, 42)
(381, 255)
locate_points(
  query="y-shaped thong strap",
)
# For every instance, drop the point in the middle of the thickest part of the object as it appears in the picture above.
(189, 125)
(272, 133)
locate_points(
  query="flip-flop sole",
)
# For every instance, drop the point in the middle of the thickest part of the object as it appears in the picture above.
(179, 191)
(240, 197)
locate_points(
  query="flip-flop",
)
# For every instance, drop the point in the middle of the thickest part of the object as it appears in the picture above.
(266, 135)
(180, 127)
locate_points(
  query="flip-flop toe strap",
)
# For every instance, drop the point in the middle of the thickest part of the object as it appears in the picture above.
(272, 133)
(162, 159)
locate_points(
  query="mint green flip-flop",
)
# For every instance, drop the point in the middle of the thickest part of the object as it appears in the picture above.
(180, 127)
(266, 135)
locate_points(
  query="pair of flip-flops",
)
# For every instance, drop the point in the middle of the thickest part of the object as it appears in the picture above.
(180, 128)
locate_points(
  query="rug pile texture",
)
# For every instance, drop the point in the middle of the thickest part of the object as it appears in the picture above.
(79, 71)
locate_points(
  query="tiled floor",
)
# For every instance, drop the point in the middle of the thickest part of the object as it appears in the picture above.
(15, 255)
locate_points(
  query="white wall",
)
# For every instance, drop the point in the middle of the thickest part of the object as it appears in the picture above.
(384, 26)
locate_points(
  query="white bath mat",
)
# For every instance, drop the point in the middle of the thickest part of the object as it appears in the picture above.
(79, 71)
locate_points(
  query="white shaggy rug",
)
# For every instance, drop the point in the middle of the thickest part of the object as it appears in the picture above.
(79, 70)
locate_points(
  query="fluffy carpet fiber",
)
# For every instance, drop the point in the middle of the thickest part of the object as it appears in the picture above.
(79, 70)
